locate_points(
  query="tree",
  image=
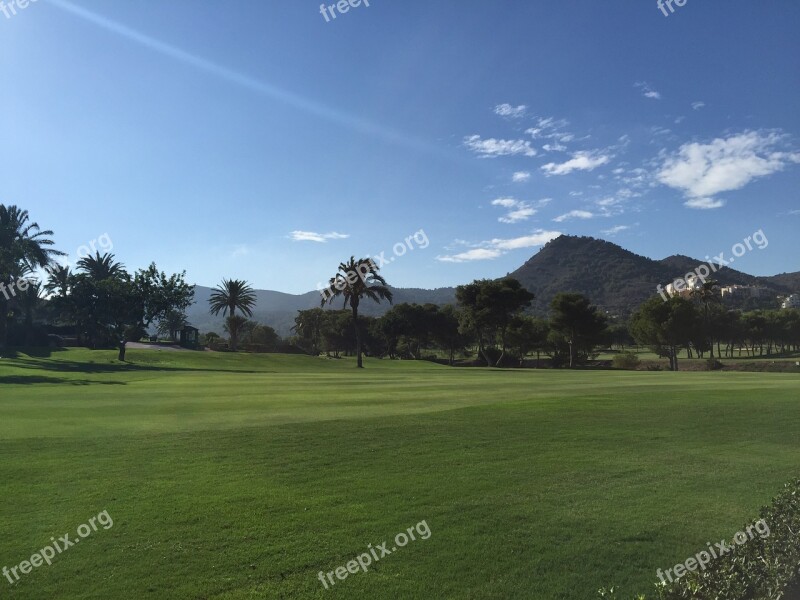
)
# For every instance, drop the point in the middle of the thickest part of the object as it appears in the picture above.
(447, 333)
(24, 246)
(579, 324)
(164, 297)
(488, 306)
(171, 323)
(235, 325)
(59, 281)
(233, 294)
(665, 326)
(527, 334)
(101, 267)
(355, 280)
(708, 295)
(308, 325)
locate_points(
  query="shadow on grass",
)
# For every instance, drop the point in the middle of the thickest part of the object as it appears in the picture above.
(71, 366)
(35, 379)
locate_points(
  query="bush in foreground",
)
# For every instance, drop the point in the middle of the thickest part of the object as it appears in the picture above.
(761, 569)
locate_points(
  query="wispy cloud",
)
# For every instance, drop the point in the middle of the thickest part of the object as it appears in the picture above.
(574, 214)
(518, 210)
(704, 203)
(580, 161)
(550, 128)
(512, 112)
(491, 147)
(647, 90)
(794, 212)
(521, 176)
(698, 105)
(311, 236)
(615, 230)
(702, 171)
(491, 249)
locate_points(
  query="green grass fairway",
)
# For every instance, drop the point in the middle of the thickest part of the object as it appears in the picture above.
(241, 477)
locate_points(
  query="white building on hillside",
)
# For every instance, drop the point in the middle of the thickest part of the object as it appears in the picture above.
(792, 301)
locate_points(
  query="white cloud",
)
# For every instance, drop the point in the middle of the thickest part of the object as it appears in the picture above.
(492, 147)
(580, 161)
(647, 90)
(240, 251)
(538, 238)
(470, 255)
(518, 210)
(704, 203)
(310, 236)
(615, 230)
(521, 176)
(512, 112)
(495, 248)
(574, 214)
(794, 212)
(698, 105)
(701, 171)
(554, 148)
(505, 202)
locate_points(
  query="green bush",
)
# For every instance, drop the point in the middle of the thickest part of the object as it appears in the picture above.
(626, 360)
(760, 569)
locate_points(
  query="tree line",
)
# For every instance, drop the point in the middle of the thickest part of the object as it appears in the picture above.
(105, 305)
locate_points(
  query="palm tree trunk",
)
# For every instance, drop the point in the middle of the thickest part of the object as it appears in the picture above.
(3, 321)
(234, 332)
(360, 363)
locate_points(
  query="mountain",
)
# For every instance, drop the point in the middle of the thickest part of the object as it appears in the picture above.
(615, 279)
(278, 310)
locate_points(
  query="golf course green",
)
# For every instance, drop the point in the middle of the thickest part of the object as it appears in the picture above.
(232, 476)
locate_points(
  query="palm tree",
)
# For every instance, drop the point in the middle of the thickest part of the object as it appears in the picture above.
(231, 295)
(101, 266)
(23, 246)
(59, 280)
(353, 281)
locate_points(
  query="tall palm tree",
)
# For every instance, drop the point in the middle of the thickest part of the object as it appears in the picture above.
(23, 246)
(233, 294)
(357, 279)
(101, 266)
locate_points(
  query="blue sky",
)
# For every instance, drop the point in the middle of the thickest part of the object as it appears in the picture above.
(256, 140)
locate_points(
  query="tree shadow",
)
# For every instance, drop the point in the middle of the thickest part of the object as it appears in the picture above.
(38, 379)
(71, 366)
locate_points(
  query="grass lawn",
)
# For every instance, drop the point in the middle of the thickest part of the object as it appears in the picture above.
(239, 476)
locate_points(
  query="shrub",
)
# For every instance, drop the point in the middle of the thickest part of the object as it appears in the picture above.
(626, 360)
(763, 568)
(712, 364)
